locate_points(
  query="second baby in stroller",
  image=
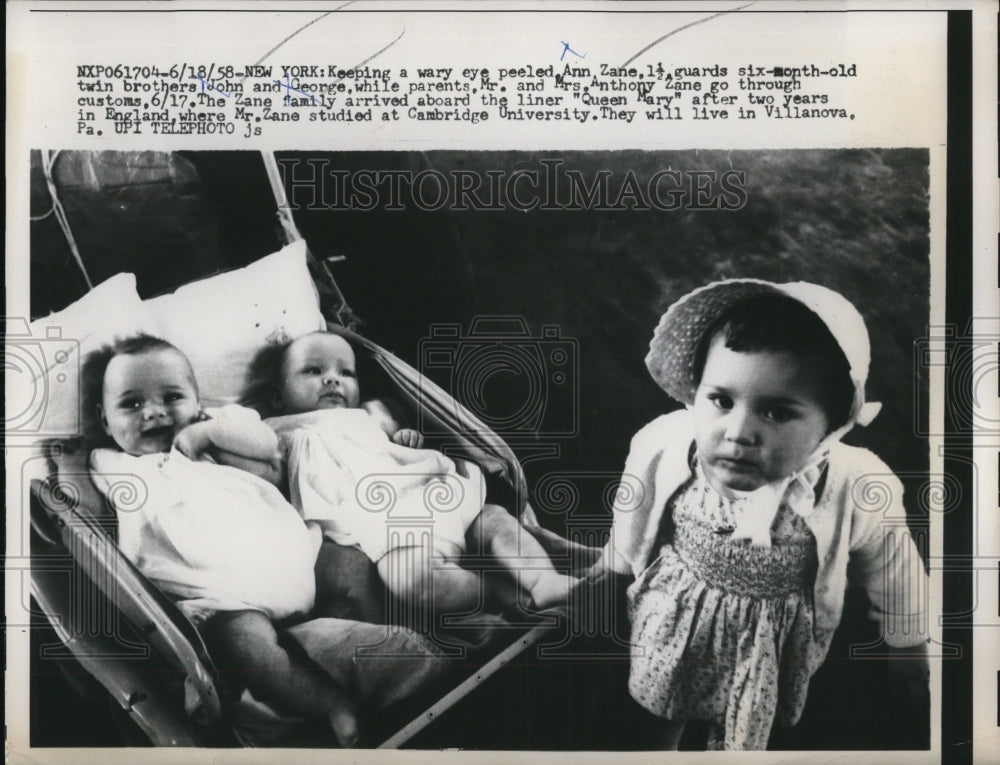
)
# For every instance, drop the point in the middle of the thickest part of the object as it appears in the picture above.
(337, 449)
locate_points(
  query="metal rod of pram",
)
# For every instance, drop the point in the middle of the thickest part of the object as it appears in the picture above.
(48, 163)
(287, 221)
(433, 712)
(285, 217)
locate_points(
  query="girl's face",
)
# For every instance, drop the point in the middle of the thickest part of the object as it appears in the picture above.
(319, 373)
(147, 399)
(758, 417)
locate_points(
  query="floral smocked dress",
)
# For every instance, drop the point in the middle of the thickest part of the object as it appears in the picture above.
(723, 631)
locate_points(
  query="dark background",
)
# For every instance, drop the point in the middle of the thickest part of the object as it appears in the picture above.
(855, 221)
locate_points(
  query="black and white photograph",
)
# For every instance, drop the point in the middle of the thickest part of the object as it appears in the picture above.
(518, 335)
(502, 444)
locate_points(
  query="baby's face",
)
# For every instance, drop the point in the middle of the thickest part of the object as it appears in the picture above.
(147, 399)
(319, 373)
(758, 417)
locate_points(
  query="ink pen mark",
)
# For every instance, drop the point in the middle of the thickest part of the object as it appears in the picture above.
(287, 85)
(297, 31)
(319, 18)
(567, 49)
(682, 28)
(382, 50)
(206, 84)
(303, 28)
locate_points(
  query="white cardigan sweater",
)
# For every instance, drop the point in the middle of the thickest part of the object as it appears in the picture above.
(858, 518)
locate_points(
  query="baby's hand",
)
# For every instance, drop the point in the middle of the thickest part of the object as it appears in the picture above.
(408, 437)
(607, 565)
(271, 470)
(192, 442)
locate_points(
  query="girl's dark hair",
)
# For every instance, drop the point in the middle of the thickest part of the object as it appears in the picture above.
(781, 324)
(92, 372)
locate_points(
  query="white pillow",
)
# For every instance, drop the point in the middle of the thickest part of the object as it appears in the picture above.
(42, 362)
(221, 323)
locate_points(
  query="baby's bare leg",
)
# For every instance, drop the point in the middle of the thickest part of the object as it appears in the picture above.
(347, 585)
(250, 647)
(521, 554)
(424, 578)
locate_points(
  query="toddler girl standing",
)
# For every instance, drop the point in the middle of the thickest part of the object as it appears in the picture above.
(750, 512)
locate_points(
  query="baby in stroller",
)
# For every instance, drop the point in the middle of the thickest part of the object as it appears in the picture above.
(344, 458)
(211, 531)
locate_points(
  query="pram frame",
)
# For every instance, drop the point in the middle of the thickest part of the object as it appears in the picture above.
(66, 511)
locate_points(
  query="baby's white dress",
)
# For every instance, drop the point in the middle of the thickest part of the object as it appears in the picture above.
(216, 537)
(348, 477)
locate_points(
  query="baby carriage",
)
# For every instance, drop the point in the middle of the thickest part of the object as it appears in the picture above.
(118, 629)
